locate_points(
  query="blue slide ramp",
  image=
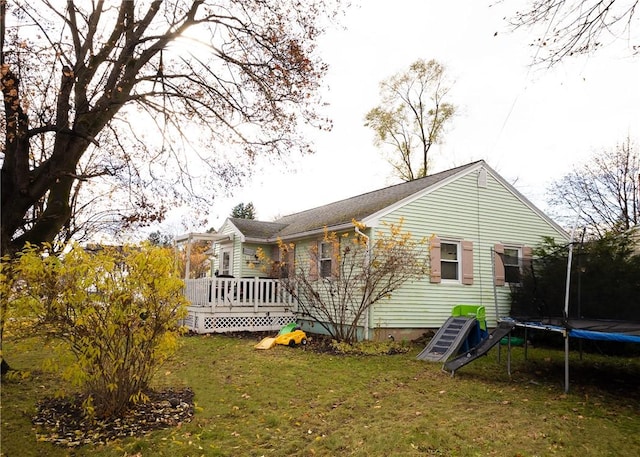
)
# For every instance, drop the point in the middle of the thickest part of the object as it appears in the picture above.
(448, 339)
(502, 330)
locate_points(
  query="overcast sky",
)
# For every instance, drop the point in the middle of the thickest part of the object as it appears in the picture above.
(532, 125)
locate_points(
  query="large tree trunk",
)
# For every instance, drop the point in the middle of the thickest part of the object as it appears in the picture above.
(23, 186)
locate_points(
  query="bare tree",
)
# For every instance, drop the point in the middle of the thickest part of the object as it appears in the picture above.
(116, 111)
(570, 27)
(336, 282)
(605, 191)
(412, 116)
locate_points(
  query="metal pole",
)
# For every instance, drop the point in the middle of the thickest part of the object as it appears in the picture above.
(566, 361)
(566, 306)
(493, 276)
(508, 354)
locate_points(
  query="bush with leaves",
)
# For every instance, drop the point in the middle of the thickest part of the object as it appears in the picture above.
(363, 271)
(118, 310)
(605, 281)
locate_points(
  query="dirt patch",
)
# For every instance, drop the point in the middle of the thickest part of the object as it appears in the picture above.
(62, 420)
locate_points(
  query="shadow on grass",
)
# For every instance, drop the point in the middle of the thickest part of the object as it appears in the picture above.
(589, 374)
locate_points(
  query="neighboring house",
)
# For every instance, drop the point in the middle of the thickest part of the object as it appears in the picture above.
(481, 230)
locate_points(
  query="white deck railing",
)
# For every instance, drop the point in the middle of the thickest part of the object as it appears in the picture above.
(237, 304)
(232, 292)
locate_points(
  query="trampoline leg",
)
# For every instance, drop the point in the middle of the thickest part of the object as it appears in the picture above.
(509, 354)
(566, 362)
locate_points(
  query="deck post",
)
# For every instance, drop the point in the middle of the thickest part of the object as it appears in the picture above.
(256, 285)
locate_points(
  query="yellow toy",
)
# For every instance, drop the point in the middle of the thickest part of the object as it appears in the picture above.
(289, 335)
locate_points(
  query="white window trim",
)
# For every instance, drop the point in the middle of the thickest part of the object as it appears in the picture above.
(223, 250)
(458, 245)
(321, 259)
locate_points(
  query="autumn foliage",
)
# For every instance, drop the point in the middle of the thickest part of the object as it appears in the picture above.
(363, 270)
(116, 310)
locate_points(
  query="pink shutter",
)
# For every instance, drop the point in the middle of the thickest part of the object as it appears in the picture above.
(291, 259)
(335, 259)
(314, 260)
(527, 259)
(434, 256)
(467, 262)
(499, 277)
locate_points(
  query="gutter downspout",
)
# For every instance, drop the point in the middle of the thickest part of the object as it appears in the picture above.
(367, 315)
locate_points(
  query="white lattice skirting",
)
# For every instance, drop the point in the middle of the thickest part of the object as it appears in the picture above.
(204, 321)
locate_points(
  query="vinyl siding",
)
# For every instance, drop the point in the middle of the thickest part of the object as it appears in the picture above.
(303, 261)
(461, 210)
(236, 255)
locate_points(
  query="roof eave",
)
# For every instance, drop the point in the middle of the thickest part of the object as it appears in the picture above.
(314, 232)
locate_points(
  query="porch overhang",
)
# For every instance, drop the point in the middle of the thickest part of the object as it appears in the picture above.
(195, 236)
(190, 237)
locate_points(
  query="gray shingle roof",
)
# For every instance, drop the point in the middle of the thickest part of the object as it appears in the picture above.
(257, 229)
(358, 207)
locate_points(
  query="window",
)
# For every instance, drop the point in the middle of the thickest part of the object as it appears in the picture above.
(225, 263)
(326, 253)
(449, 261)
(286, 263)
(511, 262)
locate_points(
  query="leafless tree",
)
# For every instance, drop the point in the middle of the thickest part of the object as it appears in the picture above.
(338, 281)
(605, 191)
(117, 110)
(569, 27)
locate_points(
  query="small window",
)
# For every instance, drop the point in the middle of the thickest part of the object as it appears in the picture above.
(326, 252)
(512, 265)
(225, 264)
(450, 261)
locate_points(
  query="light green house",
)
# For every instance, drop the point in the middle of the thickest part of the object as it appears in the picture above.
(481, 230)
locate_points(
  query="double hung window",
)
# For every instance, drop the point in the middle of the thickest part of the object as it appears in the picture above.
(325, 258)
(512, 263)
(450, 261)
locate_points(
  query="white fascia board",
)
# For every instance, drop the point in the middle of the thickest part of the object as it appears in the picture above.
(562, 232)
(257, 240)
(374, 219)
(310, 233)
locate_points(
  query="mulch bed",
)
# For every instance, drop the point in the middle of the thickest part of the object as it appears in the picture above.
(62, 420)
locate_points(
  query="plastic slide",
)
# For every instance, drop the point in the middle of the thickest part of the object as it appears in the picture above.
(289, 335)
(266, 343)
(503, 329)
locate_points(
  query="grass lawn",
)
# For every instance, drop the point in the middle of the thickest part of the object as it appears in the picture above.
(299, 402)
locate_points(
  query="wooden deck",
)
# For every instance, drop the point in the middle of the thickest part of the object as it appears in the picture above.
(221, 305)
